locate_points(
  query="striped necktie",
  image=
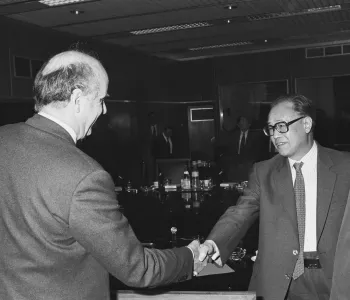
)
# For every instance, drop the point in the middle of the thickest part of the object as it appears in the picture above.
(299, 192)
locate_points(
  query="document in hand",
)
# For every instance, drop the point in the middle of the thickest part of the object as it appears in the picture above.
(214, 269)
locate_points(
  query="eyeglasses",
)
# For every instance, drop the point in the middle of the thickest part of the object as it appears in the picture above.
(281, 127)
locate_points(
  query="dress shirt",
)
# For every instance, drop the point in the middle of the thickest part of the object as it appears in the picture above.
(168, 140)
(154, 130)
(64, 125)
(309, 171)
(245, 134)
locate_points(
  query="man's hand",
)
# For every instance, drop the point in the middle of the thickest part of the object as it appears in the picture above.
(209, 249)
(198, 265)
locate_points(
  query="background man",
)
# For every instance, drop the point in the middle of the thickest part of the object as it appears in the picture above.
(60, 225)
(163, 147)
(299, 224)
(245, 148)
(149, 137)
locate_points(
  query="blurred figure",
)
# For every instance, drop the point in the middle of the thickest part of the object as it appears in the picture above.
(245, 148)
(299, 196)
(163, 147)
(61, 227)
(149, 138)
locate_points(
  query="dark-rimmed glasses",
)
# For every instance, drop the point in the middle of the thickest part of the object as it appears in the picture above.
(281, 127)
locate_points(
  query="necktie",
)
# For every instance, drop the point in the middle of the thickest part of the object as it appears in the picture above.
(299, 192)
(241, 142)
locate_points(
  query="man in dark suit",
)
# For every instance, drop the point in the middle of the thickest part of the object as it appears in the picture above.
(60, 226)
(299, 196)
(245, 148)
(148, 139)
(163, 147)
(341, 276)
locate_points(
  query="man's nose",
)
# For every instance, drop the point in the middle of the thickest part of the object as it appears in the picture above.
(276, 134)
(104, 108)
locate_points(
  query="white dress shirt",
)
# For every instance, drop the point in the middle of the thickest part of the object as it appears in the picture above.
(309, 171)
(154, 130)
(245, 134)
(64, 125)
(168, 140)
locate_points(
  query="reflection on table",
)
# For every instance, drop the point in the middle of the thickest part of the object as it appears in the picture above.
(190, 215)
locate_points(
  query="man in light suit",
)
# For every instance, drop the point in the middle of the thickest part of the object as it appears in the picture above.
(60, 227)
(296, 243)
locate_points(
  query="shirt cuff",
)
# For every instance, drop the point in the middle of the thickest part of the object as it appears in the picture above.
(191, 251)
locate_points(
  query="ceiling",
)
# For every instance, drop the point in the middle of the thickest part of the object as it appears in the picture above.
(207, 28)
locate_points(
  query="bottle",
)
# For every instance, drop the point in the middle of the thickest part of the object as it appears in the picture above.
(195, 176)
(160, 178)
(186, 180)
(128, 186)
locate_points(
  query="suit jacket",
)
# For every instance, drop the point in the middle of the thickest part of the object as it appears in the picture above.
(341, 273)
(270, 196)
(161, 147)
(60, 226)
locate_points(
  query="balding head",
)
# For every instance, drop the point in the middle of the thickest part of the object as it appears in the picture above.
(64, 73)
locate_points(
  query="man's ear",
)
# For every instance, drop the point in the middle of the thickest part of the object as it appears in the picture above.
(307, 124)
(75, 99)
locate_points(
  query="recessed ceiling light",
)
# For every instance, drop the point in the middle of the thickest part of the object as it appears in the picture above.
(76, 12)
(235, 44)
(61, 2)
(285, 14)
(171, 28)
(231, 6)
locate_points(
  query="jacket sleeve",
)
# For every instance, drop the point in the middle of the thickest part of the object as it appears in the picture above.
(234, 223)
(105, 233)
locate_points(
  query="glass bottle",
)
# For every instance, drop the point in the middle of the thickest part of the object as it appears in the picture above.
(186, 180)
(195, 176)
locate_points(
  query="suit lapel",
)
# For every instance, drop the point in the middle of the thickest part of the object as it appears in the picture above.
(325, 186)
(284, 185)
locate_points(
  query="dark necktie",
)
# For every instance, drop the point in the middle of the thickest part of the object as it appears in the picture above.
(299, 192)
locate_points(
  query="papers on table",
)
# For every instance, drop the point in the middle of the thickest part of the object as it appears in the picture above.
(214, 269)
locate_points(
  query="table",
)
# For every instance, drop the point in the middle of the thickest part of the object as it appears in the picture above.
(194, 213)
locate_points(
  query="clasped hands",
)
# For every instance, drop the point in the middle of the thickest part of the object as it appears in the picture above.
(203, 253)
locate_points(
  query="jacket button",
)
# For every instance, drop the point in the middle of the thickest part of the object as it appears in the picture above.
(287, 276)
(295, 252)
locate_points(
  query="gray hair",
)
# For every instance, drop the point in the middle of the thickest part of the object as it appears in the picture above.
(61, 75)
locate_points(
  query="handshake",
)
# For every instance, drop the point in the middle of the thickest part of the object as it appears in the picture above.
(203, 253)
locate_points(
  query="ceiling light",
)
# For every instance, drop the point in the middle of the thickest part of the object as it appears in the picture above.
(61, 2)
(171, 28)
(231, 6)
(235, 44)
(9, 2)
(76, 12)
(284, 14)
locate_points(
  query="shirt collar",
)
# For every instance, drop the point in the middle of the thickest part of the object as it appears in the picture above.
(64, 125)
(309, 158)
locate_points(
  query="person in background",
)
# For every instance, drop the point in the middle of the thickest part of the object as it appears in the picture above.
(245, 148)
(148, 138)
(299, 196)
(163, 147)
(61, 228)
